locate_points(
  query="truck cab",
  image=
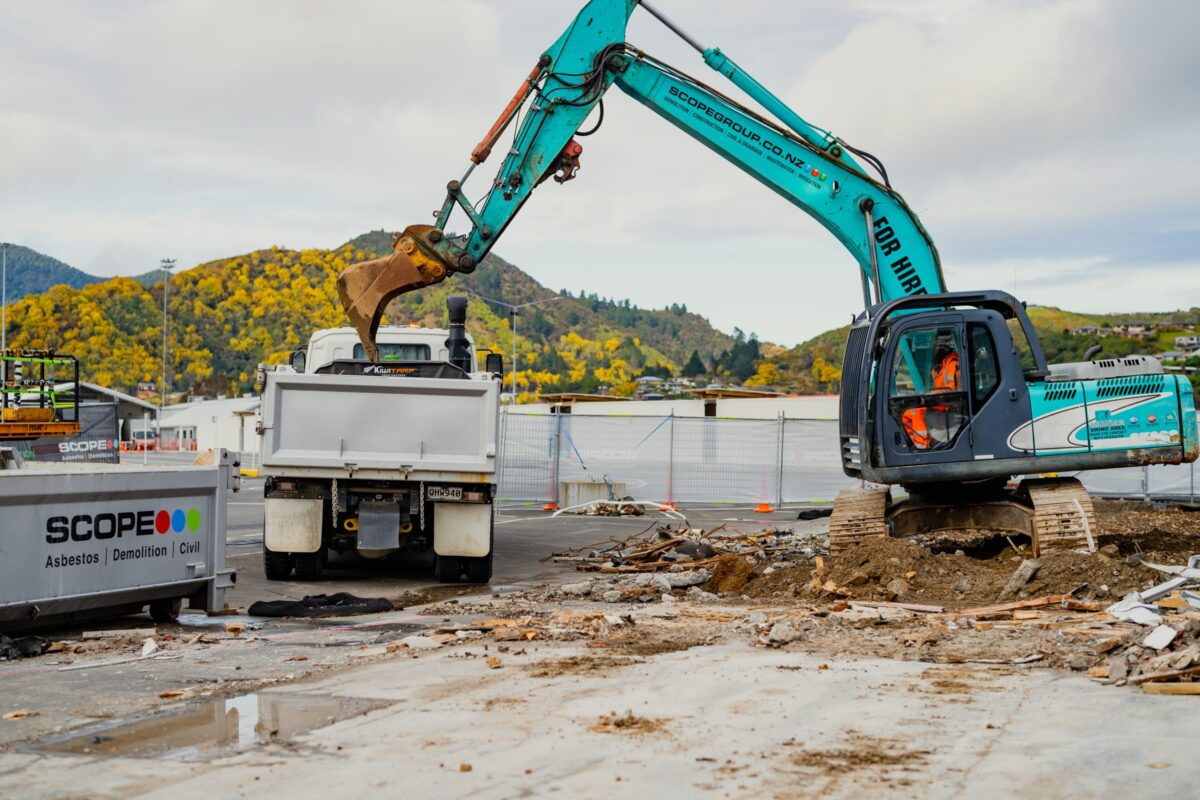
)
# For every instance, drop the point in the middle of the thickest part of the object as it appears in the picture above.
(396, 343)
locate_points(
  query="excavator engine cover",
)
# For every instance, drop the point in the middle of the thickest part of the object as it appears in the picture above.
(367, 287)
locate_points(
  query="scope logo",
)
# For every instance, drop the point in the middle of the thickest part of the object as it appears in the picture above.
(116, 524)
(177, 520)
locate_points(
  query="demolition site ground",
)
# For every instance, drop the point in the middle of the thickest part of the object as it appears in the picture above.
(728, 656)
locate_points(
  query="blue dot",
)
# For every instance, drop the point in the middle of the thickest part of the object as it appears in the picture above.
(178, 520)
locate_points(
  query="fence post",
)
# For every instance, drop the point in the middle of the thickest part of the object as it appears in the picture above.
(557, 457)
(779, 463)
(671, 463)
(1192, 482)
(1146, 483)
(501, 449)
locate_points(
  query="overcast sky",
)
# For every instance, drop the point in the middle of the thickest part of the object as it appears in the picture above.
(1047, 144)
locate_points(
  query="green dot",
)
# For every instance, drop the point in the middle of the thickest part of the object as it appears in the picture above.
(193, 520)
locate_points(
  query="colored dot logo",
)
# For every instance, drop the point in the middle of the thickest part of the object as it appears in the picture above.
(177, 520)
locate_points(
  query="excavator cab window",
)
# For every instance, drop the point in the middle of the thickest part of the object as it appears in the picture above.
(985, 374)
(928, 398)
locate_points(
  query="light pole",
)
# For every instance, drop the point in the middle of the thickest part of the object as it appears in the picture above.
(3, 298)
(167, 264)
(513, 308)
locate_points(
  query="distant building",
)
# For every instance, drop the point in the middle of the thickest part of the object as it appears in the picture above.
(1134, 330)
(132, 414)
(1187, 342)
(211, 424)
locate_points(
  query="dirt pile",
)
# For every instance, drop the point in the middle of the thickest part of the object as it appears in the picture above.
(895, 569)
(730, 574)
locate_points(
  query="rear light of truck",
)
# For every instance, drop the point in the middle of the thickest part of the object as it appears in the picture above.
(472, 497)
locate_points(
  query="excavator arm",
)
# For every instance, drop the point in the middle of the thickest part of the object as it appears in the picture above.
(809, 167)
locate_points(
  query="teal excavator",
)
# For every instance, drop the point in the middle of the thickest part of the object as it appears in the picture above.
(947, 394)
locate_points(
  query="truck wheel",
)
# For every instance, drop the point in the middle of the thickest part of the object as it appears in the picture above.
(447, 569)
(479, 570)
(309, 566)
(166, 610)
(277, 566)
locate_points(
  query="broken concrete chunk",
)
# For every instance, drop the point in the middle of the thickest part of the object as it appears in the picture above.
(1022, 575)
(782, 632)
(660, 583)
(420, 643)
(576, 589)
(611, 596)
(682, 580)
(1160, 637)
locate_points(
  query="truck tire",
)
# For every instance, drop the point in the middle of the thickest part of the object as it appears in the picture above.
(447, 569)
(166, 609)
(309, 566)
(479, 570)
(277, 566)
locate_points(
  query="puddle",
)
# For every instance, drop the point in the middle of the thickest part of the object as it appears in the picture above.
(219, 621)
(506, 588)
(216, 727)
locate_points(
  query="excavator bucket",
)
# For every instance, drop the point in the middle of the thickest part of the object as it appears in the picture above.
(366, 288)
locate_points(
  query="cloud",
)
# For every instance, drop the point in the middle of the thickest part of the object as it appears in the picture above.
(1054, 138)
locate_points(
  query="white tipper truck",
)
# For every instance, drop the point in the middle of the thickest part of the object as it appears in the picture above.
(392, 458)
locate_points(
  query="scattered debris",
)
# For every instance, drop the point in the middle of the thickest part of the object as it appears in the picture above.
(23, 713)
(22, 647)
(626, 723)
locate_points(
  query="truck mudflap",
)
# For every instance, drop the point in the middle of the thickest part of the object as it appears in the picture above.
(462, 529)
(293, 525)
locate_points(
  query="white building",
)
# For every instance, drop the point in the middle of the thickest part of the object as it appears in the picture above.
(211, 424)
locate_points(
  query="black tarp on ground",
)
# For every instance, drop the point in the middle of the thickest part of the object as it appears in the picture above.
(339, 604)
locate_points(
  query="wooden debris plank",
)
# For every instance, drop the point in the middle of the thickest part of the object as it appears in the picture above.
(904, 606)
(1166, 675)
(1171, 688)
(1048, 600)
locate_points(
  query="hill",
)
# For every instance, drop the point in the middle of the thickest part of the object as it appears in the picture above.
(31, 272)
(815, 366)
(229, 315)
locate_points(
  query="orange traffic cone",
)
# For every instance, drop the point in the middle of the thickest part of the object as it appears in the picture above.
(668, 506)
(763, 508)
(551, 506)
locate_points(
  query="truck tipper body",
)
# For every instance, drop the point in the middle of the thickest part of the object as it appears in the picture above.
(390, 458)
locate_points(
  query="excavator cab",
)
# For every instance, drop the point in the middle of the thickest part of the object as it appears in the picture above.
(944, 386)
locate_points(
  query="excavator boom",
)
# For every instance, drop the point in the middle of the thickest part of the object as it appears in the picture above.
(804, 164)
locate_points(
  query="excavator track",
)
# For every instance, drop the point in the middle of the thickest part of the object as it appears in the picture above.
(858, 514)
(1064, 517)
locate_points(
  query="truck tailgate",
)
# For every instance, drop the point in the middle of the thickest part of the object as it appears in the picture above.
(372, 423)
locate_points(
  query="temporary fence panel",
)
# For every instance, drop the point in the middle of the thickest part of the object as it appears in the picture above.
(812, 466)
(726, 461)
(722, 460)
(528, 445)
(1166, 481)
(632, 451)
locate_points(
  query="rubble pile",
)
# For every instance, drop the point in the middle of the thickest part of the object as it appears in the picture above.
(671, 548)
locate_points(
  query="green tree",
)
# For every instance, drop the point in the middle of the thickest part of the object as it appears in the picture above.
(694, 368)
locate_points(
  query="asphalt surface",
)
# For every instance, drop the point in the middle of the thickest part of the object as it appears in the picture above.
(525, 538)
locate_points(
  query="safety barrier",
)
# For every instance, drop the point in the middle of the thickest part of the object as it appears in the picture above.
(710, 460)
